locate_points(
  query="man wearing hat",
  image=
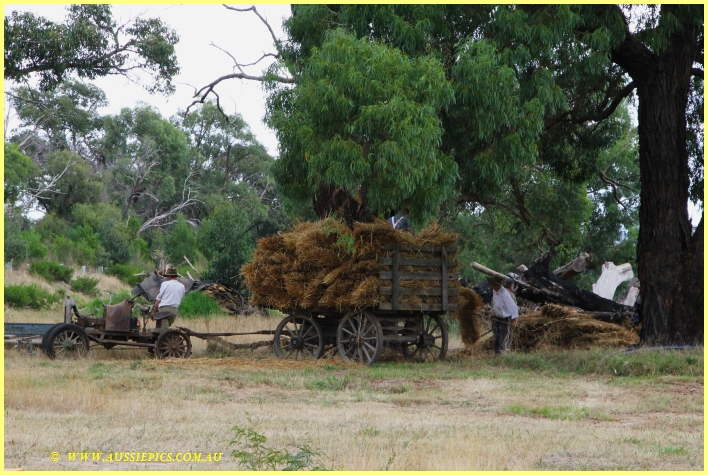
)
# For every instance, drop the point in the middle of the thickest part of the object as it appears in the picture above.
(506, 312)
(170, 296)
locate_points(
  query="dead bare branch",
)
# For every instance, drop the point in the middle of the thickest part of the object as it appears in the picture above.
(168, 217)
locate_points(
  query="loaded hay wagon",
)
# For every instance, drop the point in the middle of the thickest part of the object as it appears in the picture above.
(357, 290)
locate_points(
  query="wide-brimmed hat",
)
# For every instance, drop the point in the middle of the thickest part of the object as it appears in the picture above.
(170, 272)
(495, 279)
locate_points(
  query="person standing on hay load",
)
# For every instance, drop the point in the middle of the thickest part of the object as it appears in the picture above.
(401, 222)
(506, 313)
(170, 296)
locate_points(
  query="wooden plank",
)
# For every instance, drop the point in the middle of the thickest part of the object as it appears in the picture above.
(27, 329)
(415, 261)
(422, 249)
(444, 280)
(394, 278)
(424, 307)
(417, 276)
(428, 291)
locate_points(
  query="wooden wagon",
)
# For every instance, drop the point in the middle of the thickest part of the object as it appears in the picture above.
(418, 329)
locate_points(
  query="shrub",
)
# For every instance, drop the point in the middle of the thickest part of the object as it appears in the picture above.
(52, 271)
(85, 285)
(16, 250)
(198, 304)
(125, 272)
(29, 296)
(37, 250)
(255, 455)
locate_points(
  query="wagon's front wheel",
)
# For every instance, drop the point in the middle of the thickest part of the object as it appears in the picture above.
(432, 340)
(298, 337)
(360, 337)
(66, 341)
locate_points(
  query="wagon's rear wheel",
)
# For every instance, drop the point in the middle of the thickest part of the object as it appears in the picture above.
(431, 343)
(360, 337)
(66, 341)
(173, 344)
(298, 337)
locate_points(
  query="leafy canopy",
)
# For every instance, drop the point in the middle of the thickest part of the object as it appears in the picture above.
(364, 117)
(90, 44)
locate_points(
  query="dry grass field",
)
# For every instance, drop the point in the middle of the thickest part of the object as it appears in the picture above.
(582, 410)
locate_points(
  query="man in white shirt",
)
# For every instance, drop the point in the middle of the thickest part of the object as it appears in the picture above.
(506, 313)
(170, 296)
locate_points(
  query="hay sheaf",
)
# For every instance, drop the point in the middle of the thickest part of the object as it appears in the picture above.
(468, 306)
(556, 326)
(326, 265)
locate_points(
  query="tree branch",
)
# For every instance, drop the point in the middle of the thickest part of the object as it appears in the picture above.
(597, 117)
(265, 22)
(697, 72)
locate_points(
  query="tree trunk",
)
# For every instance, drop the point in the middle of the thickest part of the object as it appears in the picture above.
(330, 201)
(669, 257)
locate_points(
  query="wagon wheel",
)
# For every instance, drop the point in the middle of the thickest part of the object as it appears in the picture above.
(298, 337)
(173, 344)
(360, 337)
(66, 341)
(432, 341)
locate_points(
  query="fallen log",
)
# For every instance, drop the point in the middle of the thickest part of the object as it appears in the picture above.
(539, 285)
(573, 268)
(544, 286)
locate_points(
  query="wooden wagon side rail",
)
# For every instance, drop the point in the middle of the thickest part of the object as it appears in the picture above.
(395, 275)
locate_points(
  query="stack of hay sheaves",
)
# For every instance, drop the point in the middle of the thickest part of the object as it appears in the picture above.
(557, 326)
(326, 266)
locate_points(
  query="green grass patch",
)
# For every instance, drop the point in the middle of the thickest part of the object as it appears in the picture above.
(198, 304)
(562, 413)
(601, 362)
(328, 383)
(51, 271)
(85, 285)
(29, 296)
(125, 272)
(671, 450)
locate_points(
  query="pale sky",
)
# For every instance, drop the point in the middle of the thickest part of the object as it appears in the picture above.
(242, 34)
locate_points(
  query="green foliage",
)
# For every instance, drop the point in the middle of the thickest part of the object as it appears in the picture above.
(125, 272)
(19, 170)
(16, 250)
(85, 285)
(90, 44)
(225, 240)
(66, 117)
(35, 248)
(364, 117)
(181, 242)
(51, 271)
(29, 296)
(78, 183)
(198, 304)
(255, 455)
(149, 157)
